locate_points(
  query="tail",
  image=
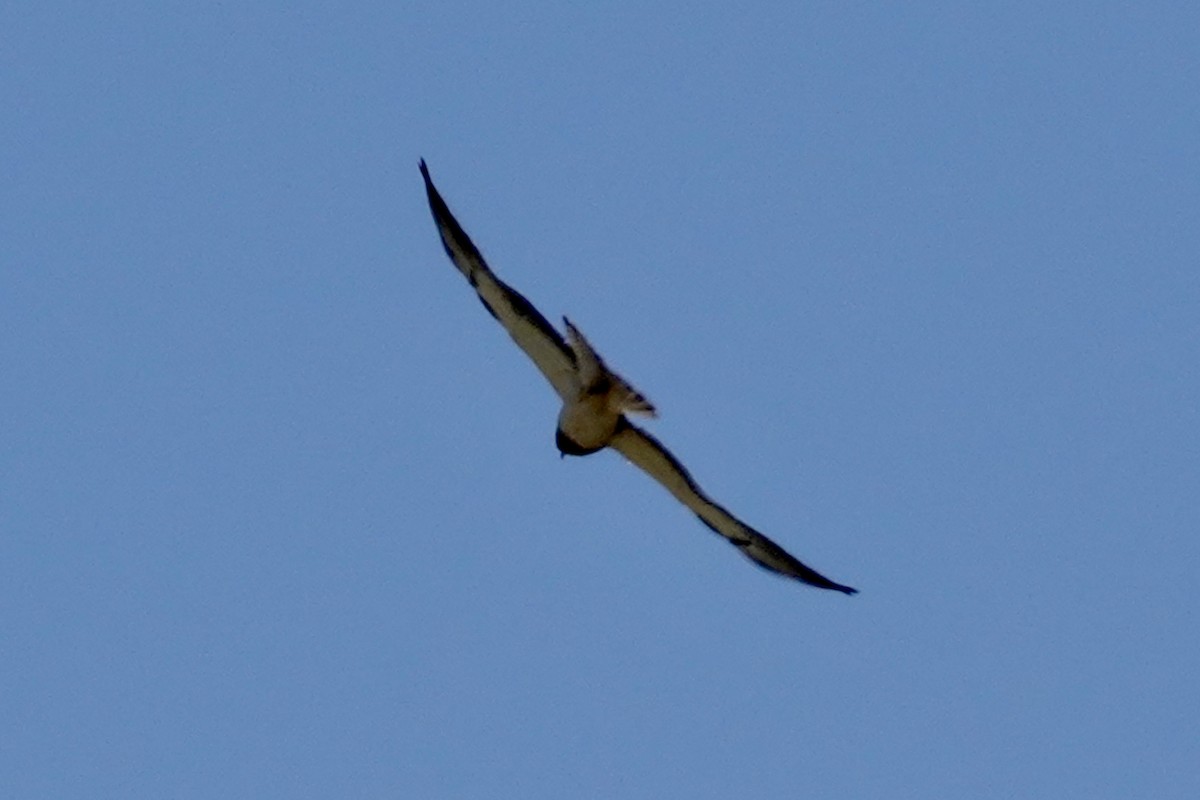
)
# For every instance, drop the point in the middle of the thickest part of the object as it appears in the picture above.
(595, 375)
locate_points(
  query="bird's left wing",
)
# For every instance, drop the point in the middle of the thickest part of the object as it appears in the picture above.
(648, 453)
(532, 332)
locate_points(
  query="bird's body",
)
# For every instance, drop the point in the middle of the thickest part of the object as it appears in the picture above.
(596, 401)
(591, 414)
(585, 425)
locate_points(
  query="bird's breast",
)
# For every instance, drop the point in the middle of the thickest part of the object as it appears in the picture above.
(587, 422)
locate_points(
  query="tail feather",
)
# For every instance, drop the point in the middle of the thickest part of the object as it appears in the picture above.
(593, 372)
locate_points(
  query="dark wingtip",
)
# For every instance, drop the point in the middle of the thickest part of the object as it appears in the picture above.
(825, 583)
(441, 212)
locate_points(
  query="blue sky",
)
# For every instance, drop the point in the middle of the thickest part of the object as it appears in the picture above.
(915, 290)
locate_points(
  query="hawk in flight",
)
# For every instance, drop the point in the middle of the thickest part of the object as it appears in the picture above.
(595, 400)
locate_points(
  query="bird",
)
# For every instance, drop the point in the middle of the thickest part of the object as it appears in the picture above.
(597, 402)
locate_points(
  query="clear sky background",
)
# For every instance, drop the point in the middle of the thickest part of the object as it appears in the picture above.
(914, 286)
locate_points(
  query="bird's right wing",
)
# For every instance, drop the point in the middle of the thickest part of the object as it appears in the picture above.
(524, 323)
(649, 454)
